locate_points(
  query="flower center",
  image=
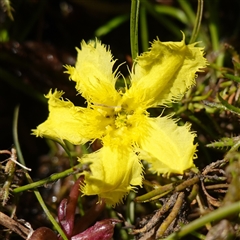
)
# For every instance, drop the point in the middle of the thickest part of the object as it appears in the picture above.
(120, 117)
(121, 123)
(121, 120)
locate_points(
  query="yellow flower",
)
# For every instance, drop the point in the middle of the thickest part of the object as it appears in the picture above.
(119, 118)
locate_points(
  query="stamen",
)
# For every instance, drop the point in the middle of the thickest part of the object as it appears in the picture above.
(106, 106)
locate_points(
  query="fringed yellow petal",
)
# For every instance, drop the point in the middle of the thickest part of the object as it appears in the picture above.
(164, 73)
(169, 148)
(93, 74)
(66, 122)
(114, 172)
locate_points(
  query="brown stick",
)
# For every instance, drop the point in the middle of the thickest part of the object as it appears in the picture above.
(14, 226)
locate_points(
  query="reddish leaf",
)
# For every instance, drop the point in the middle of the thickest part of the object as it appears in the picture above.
(67, 208)
(102, 230)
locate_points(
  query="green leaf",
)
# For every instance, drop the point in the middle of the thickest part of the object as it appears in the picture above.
(228, 106)
(222, 143)
(231, 77)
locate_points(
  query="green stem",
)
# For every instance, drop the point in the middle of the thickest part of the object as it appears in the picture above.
(45, 209)
(216, 215)
(15, 135)
(156, 193)
(134, 16)
(37, 194)
(197, 22)
(52, 178)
